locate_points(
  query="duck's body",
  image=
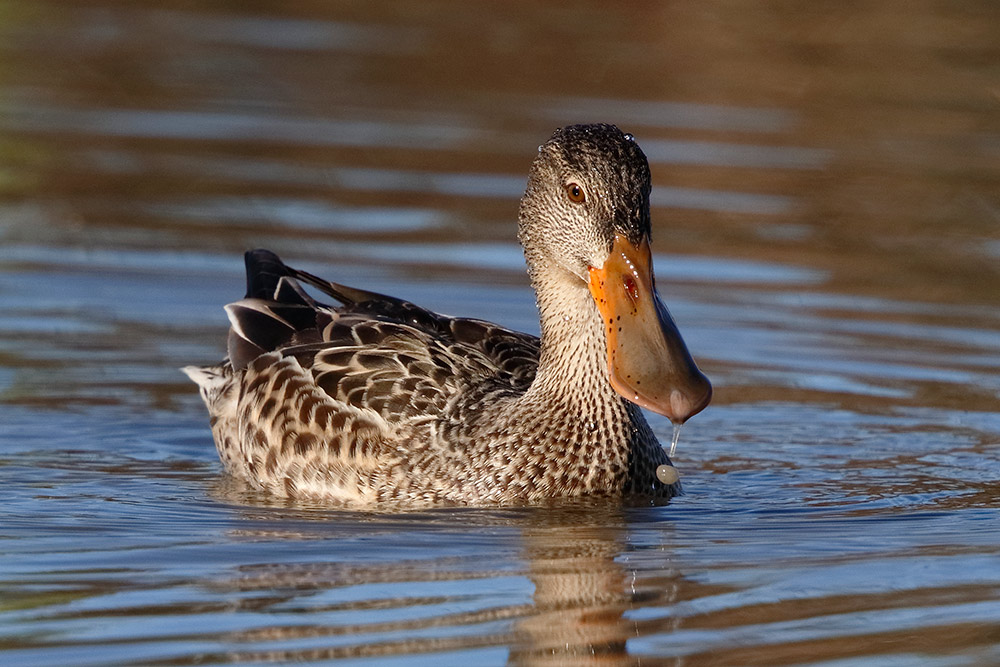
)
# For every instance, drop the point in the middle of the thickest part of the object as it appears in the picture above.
(379, 401)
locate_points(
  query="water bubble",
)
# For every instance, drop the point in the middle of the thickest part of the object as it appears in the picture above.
(667, 474)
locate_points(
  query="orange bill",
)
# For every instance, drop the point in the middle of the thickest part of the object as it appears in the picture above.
(648, 362)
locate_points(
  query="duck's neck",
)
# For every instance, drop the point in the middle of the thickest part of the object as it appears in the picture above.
(572, 368)
(590, 438)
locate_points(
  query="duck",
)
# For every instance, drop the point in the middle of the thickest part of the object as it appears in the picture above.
(374, 401)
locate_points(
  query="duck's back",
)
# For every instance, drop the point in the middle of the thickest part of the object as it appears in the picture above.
(324, 401)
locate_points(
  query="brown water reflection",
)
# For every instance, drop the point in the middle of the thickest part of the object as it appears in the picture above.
(827, 235)
(880, 121)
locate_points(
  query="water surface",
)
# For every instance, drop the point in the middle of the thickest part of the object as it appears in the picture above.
(825, 233)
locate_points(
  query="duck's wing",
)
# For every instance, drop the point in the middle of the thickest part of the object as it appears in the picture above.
(373, 352)
(507, 350)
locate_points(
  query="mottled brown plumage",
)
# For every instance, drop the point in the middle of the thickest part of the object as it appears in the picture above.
(378, 401)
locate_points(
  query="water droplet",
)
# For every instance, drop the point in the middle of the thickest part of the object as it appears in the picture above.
(667, 474)
(673, 440)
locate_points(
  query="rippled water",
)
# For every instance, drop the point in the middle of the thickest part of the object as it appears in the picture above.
(825, 232)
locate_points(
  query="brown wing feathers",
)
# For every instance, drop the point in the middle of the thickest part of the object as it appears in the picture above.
(374, 350)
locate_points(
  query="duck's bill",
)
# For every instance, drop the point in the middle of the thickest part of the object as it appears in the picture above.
(648, 362)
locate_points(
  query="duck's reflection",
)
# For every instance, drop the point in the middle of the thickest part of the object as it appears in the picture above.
(581, 592)
(573, 612)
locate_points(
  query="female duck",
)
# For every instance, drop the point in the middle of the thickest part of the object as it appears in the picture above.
(380, 401)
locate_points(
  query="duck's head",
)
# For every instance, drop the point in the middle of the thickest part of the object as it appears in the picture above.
(585, 216)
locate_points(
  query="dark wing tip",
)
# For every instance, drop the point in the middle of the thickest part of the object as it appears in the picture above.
(264, 270)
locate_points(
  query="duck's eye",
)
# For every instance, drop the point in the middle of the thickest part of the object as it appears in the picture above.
(575, 193)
